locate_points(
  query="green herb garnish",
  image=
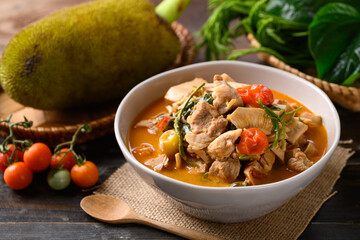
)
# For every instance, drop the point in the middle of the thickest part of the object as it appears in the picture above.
(276, 121)
(303, 34)
(178, 116)
(245, 157)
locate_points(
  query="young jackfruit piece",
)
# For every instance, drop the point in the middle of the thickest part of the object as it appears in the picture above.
(87, 54)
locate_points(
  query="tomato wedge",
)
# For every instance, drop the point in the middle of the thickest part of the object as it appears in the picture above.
(253, 141)
(252, 93)
(161, 125)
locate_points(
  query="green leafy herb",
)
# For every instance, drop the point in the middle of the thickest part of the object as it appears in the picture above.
(334, 42)
(276, 121)
(244, 157)
(302, 33)
(185, 129)
(178, 116)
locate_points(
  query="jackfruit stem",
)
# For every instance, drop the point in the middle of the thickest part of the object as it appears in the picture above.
(170, 10)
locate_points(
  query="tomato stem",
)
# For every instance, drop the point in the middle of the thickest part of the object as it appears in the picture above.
(79, 160)
(24, 144)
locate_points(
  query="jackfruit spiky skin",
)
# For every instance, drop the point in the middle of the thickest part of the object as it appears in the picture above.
(87, 54)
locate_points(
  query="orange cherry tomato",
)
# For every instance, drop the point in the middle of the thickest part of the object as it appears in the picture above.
(253, 141)
(85, 175)
(252, 93)
(67, 162)
(38, 157)
(4, 162)
(18, 176)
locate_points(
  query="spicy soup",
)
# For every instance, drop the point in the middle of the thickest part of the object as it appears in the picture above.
(143, 143)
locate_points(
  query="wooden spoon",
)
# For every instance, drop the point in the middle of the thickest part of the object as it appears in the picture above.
(113, 210)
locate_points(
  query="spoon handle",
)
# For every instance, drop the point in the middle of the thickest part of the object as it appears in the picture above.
(180, 231)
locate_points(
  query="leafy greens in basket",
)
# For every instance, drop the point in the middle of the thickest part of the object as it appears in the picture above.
(303, 33)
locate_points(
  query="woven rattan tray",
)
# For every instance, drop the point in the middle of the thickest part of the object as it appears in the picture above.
(348, 97)
(53, 127)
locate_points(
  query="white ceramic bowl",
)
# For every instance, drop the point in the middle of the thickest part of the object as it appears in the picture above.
(227, 204)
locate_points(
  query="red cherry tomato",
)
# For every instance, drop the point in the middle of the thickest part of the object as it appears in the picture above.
(18, 155)
(161, 125)
(252, 93)
(4, 162)
(38, 157)
(85, 175)
(253, 141)
(67, 162)
(18, 176)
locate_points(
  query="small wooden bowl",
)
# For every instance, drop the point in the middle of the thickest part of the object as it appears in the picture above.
(348, 97)
(54, 127)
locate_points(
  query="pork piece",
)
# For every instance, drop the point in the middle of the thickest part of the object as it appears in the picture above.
(158, 163)
(224, 145)
(206, 124)
(280, 103)
(295, 130)
(209, 87)
(226, 170)
(310, 119)
(201, 168)
(150, 124)
(225, 97)
(298, 160)
(202, 117)
(244, 117)
(288, 107)
(310, 149)
(201, 154)
(197, 141)
(259, 168)
(177, 92)
(280, 153)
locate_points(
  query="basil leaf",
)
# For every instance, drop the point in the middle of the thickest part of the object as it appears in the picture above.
(347, 67)
(332, 32)
(301, 11)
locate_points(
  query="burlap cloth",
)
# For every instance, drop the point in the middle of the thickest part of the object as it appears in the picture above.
(287, 222)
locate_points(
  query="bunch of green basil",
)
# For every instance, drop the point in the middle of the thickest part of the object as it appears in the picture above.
(303, 33)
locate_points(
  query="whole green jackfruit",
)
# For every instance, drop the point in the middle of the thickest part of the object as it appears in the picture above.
(87, 54)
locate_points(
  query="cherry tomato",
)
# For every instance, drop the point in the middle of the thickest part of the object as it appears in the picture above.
(252, 93)
(59, 179)
(4, 162)
(18, 176)
(67, 162)
(18, 155)
(85, 175)
(161, 125)
(253, 141)
(38, 157)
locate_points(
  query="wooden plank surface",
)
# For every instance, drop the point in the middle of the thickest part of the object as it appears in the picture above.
(40, 213)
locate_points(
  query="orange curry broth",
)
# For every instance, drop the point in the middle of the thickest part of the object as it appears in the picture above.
(141, 135)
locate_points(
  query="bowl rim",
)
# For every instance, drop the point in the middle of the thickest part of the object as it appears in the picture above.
(132, 160)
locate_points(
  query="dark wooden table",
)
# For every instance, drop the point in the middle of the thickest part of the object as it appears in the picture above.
(41, 213)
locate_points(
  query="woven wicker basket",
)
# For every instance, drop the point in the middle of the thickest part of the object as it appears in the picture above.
(348, 97)
(54, 127)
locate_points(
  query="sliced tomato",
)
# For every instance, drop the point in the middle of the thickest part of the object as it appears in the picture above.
(161, 125)
(253, 93)
(253, 141)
